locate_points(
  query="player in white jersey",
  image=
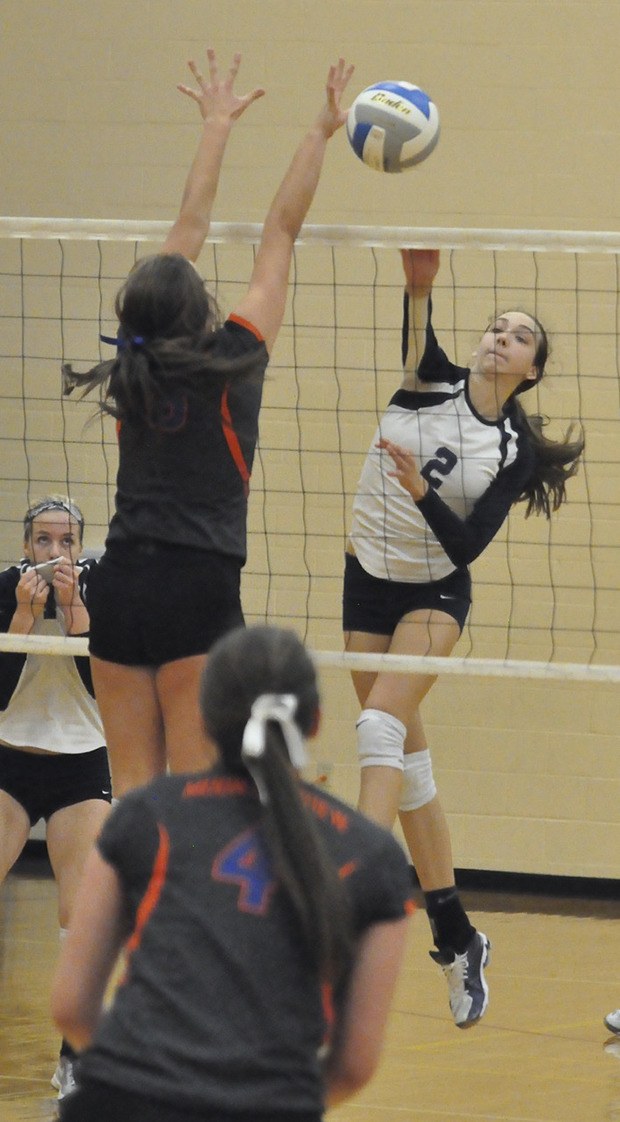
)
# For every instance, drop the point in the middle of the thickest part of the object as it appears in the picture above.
(453, 452)
(53, 763)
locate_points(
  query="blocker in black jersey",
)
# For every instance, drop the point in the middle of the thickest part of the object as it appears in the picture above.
(185, 390)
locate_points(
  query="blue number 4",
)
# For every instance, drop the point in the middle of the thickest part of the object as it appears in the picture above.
(244, 862)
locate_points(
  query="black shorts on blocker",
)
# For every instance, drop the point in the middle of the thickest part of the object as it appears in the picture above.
(151, 603)
(377, 606)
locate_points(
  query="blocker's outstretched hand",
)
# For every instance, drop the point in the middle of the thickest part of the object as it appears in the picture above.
(215, 96)
(219, 108)
(332, 116)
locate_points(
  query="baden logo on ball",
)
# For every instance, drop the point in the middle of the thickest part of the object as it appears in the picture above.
(393, 126)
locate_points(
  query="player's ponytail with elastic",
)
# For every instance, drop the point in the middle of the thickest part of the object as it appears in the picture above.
(259, 699)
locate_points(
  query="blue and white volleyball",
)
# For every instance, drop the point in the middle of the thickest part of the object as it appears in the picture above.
(392, 126)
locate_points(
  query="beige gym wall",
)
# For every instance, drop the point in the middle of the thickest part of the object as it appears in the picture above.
(527, 89)
(528, 92)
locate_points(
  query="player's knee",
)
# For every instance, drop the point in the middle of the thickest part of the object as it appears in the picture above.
(380, 739)
(418, 783)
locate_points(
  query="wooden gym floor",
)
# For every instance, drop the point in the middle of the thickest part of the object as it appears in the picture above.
(541, 1054)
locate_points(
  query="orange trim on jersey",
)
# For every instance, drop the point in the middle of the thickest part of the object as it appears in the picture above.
(153, 892)
(327, 1000)
(248, 326)
(217, 785)
(326, 812)
(348, 869)
(232, 441)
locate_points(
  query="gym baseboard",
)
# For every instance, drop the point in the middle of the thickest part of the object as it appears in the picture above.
(474, 880)
(491, 880)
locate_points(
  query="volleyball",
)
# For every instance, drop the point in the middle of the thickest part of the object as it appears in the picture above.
(392, 126)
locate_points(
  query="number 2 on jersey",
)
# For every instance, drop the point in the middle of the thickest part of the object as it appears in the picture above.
(441, 464)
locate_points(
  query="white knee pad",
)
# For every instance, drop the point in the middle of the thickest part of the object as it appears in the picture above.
(418, 783)
(380, 739)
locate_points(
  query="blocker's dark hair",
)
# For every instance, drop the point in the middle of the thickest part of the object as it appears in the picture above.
(167, 320)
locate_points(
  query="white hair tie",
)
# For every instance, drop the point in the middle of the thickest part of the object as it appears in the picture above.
(280, 707)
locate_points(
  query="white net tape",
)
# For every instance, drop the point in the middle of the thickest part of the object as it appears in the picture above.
(384, 237)
(395, 664)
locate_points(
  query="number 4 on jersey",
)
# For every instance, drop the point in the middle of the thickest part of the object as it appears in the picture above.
(244, 862)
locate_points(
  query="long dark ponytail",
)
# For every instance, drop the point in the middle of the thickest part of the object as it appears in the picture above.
(556, 461)
(242, 667)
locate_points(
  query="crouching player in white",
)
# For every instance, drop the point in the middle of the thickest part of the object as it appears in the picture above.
(53, 763)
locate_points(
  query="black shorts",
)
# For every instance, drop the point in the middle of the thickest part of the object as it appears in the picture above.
(377, 606)
(151, 603)
(45, 783)
(100, 1102)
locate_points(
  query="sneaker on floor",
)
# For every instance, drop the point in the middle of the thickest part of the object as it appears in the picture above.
(612, 1022)
(469, 993)
(63, 1078)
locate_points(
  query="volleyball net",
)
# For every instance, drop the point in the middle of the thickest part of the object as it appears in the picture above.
(546, 596)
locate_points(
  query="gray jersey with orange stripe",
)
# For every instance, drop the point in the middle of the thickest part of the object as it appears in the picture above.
(220, 1009)
(184, 475)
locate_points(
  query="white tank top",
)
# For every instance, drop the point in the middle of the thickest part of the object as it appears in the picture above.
(51, 709)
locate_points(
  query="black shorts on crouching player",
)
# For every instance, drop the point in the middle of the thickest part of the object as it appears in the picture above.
(44, 782)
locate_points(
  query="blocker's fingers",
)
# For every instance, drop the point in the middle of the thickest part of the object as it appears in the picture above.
(212, 64)
(235, 64)
(188, 91)
(258, 92)
(195, 71)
